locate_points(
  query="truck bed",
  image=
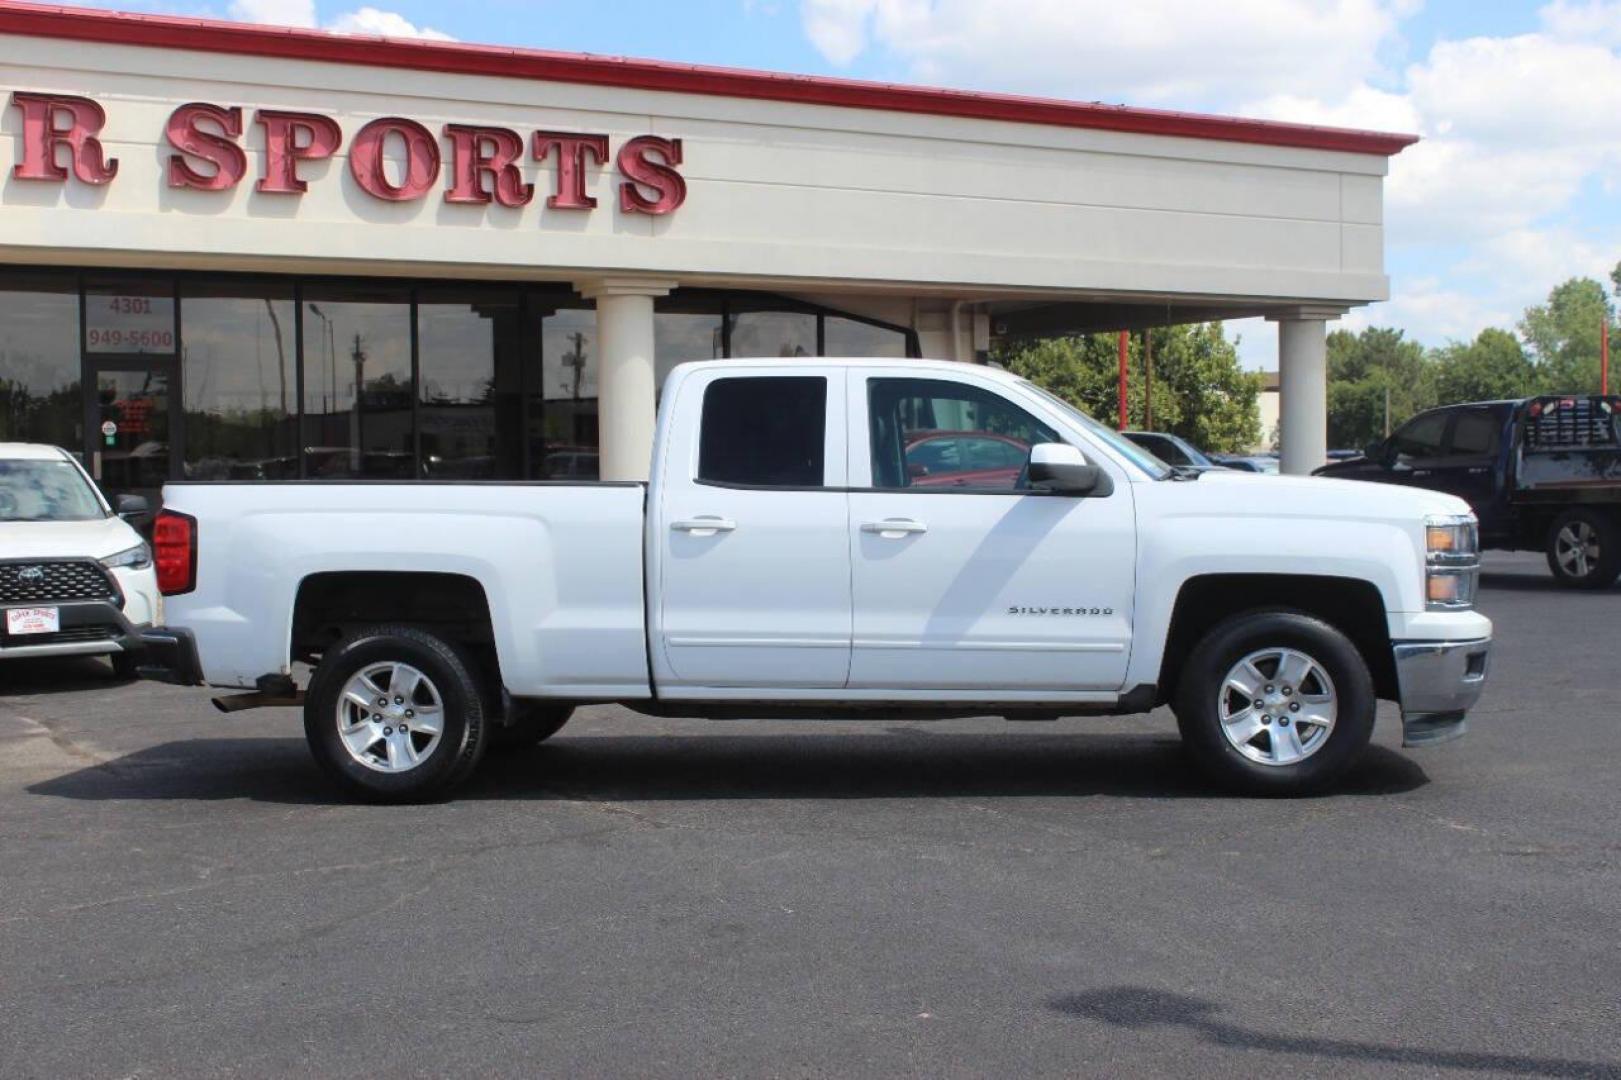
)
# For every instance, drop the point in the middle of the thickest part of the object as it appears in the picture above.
(1571, 445)
(559, 563)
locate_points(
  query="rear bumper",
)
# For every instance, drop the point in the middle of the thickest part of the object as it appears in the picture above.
(1440, 682)
(169, 654)
(88, 628)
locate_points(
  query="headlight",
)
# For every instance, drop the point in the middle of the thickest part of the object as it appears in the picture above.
(138, 557)
(1452, 562)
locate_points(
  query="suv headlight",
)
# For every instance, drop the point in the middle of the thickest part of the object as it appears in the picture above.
(1452, 561)
(138, 557)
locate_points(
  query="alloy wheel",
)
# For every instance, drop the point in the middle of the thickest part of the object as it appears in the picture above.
(390, 717)
(1277, 706)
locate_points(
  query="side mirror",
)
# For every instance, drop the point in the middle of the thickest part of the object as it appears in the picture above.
(132, 507)
(1375, 451)
(1060, 469)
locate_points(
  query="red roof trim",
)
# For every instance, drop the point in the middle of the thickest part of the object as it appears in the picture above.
(206, 35)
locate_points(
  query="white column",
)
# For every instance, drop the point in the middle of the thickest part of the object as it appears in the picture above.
(626, 391)
(1303, 387)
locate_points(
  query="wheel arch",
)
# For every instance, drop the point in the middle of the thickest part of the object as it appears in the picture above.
(331, 604)
(1351, 605)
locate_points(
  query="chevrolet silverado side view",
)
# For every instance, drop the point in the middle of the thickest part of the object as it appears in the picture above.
(788, 560)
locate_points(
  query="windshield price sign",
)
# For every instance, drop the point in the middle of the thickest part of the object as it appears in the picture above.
(129, 324)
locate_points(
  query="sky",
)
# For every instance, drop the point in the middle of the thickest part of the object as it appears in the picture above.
(1512, 190)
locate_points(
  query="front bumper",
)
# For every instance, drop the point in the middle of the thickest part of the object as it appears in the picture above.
(1440, 681)
(87, 628)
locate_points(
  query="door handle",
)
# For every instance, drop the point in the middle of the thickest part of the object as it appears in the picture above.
(704, 525)
(894, 528)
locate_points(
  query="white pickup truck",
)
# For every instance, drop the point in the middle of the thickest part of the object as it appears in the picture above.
(874, 538)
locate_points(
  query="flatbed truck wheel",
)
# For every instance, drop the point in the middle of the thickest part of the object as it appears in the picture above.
(1584, 548)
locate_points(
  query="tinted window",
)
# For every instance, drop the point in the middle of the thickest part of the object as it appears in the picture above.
(40, 396)
(1476, 433)
(764, 432)
(929, 434)
(1421, 437)
(1161, 447)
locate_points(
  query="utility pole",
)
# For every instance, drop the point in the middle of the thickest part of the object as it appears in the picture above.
(1604, 357)
(1123, 350)
(1387, 410)
(1148, 385)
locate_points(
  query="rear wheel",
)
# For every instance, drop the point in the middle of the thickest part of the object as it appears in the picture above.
(531, 723)
(1584, 550)
(1275, 702)
(396, 714)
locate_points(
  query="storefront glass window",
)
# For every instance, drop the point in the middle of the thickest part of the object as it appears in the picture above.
(239, 381)
(471, 372)
(562, 427)
(40, 395)
(773, 333)
(686, 328)
(357, 383)
(851, 337)
(129, 316)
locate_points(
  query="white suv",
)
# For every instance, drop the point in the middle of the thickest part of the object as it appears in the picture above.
(75, 578)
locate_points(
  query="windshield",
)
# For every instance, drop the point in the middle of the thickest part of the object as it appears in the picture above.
(46, 491)
(1117, 442)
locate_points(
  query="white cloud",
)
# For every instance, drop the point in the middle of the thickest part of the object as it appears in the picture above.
(1593, 21)
(369, 20)
(1513, 128)
(1147, 52)
(274, 12)
(302, 13)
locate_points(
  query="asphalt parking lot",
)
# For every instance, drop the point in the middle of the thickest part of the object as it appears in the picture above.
(181, 894)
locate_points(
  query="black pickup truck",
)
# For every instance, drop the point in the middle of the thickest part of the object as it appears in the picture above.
(1542, 473)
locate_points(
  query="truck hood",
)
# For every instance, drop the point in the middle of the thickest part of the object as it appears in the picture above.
(95, 539)
(1321, 496)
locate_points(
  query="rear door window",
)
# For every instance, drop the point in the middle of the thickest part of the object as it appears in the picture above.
(764, 431)
(1476, 433)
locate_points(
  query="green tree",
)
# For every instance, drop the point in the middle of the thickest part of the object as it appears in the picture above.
(1200, 391)
(1563, 336)
(1491, 367)
(1368, 373)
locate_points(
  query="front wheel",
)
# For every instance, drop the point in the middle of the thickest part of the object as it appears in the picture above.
(1275, 702)
(1584, 551)
(396, 714)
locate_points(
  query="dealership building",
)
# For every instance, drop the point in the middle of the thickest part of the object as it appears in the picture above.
(238, 252)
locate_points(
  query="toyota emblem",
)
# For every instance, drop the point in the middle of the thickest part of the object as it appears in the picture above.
(31, 575)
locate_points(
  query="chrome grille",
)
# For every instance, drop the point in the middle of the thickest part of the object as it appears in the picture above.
(26, 582)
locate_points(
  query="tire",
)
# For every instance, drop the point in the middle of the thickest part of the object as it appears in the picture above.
(124, 664)
(1268, 763)
(1584, 549)
(374, 761)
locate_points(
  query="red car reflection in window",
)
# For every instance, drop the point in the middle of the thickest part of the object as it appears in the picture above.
(977, 459)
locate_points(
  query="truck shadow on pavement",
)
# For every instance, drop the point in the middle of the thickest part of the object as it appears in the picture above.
(53, 675)
(1141, 1008)
(900, 765)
